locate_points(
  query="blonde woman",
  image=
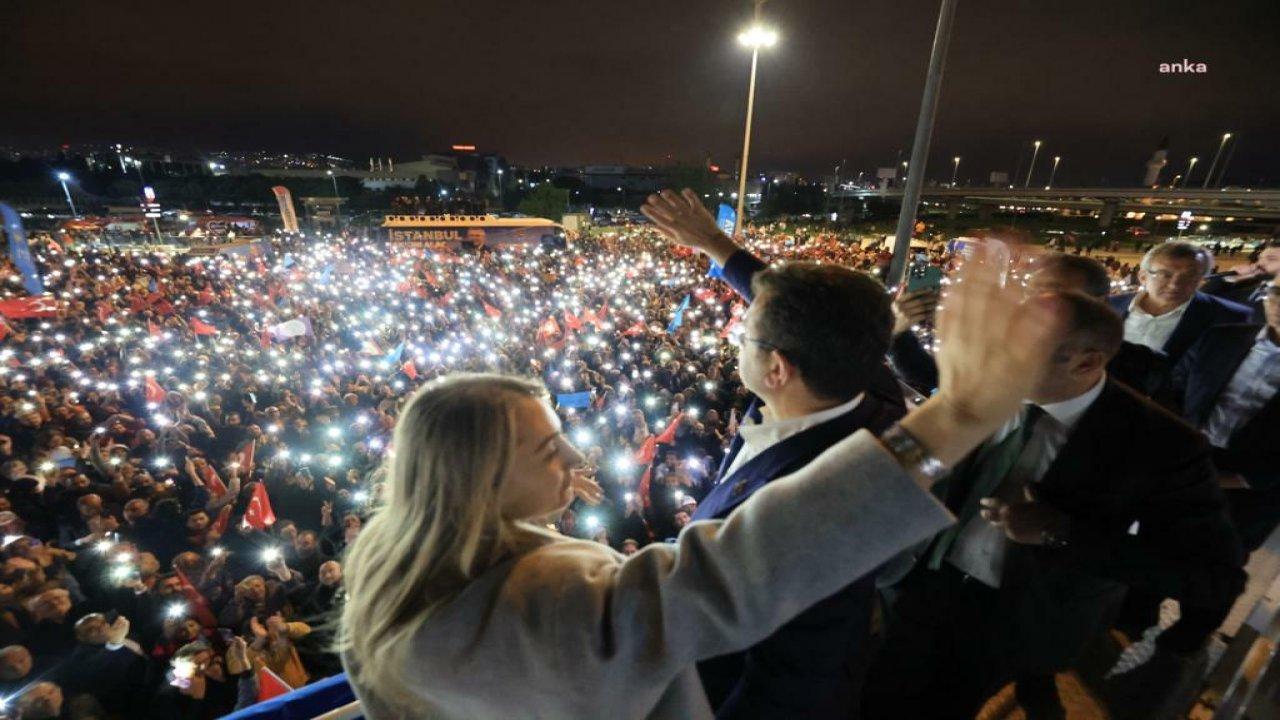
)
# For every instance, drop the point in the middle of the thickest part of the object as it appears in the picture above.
(461, 606)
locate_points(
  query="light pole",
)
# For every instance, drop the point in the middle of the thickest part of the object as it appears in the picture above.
(337, 209)
(1032, 167)
(755, 37)
(920, 145)
(63, 177)
(1213, 165)
(1052, 173)
(1186, 177)
(955, 168)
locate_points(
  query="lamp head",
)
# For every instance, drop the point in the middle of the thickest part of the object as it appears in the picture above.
(757, 36)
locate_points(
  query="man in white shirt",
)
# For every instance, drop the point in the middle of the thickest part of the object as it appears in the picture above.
(1169, 314)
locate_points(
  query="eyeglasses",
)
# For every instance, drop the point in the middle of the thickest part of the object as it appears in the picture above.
(744, 338)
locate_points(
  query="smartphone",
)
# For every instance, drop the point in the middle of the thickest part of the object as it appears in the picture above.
(924, 277)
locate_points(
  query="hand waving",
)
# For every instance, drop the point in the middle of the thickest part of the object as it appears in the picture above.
(684, 220)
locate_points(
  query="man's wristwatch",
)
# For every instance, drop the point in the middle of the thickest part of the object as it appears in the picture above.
(913, 456)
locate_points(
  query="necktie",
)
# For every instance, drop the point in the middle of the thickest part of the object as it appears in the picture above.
(988, 474)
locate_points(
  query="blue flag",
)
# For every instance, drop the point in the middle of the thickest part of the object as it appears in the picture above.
(326, 274)
(393, 357)
(151, 286)
(574, 400)
(715, 271)
(726, 218)
(678, 320)
(20, 251)
(287, 262)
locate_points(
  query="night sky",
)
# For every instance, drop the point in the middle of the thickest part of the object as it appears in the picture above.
(613, 81)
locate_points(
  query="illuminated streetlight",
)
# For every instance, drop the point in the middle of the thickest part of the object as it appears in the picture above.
(1186, 177)
(1034, 153)
(1052, 173)
(755, 37)
(1213, 165)
(63, 177)
(955, 168)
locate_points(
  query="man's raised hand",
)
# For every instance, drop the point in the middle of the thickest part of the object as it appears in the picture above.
(683, 219)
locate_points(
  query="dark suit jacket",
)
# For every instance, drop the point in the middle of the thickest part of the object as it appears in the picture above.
(812, 667)
(1238, 292)
(1254, 448)
(1204, 312)
(1145, 509)
(1137, 366)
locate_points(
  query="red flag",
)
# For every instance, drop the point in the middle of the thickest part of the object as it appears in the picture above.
(200, 327)
(153, 329)
(154, 392)
(246, 457)
(729, 327)
(219, 526)
(270, 685)
(636, 329)
(29, 307)
(548, 330)
(492, 311)
(648, 450)
(409, 369)
(668, 436)
(199, 605)
(211, 480)
(205, 297)
(572, 322)
(259, 514)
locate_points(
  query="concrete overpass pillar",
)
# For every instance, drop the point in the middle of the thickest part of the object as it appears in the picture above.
(1108, 213)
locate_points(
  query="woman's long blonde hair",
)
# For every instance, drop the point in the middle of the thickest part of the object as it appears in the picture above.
(439, 526)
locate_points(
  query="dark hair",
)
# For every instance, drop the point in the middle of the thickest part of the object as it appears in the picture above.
(831, 322)
(1096, 281)
(1091, 324)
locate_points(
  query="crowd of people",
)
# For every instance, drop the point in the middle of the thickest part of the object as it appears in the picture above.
(189, 444)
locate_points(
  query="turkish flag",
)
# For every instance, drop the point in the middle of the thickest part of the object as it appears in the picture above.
(200, 327)
(492, 311)
(644, 486)
(409, 369)
(29, 307)
(636, 329)
(199, 605)
(259, 514)
(668, 436)
(246, 456)
(270, 685)
(219, 526)
(648, 450)
(211, 480)
(572, 322)
(154, 392)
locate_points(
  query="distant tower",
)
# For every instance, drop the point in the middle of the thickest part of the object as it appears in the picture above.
(391, 165)
(370, 164)
(1157, 162)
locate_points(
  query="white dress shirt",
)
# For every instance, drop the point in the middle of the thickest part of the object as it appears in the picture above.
(1143, 328)
(1253, 384)
(979, 549)
(758, 437)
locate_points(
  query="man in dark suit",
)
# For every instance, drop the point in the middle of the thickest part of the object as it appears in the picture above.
(1137, 366)
(1247, 285)
(1226, 385)
(1169, 314)
(812, 353)
(1092, 489)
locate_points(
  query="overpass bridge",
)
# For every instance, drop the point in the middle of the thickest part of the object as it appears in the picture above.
(1261, 206)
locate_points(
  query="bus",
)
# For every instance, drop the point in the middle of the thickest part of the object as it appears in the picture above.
(454, 231)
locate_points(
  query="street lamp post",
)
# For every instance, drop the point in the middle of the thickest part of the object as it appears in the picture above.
(955, 168)
(1032, 167)
(1186, 177)
(338, 207)
(1213, 165)
(1053, 173)
(920, 144)
(63, 177)
(755, 37)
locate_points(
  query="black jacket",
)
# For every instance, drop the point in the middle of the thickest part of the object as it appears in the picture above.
(1203, 312)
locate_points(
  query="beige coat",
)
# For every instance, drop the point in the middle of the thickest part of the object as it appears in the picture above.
(572, 630)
